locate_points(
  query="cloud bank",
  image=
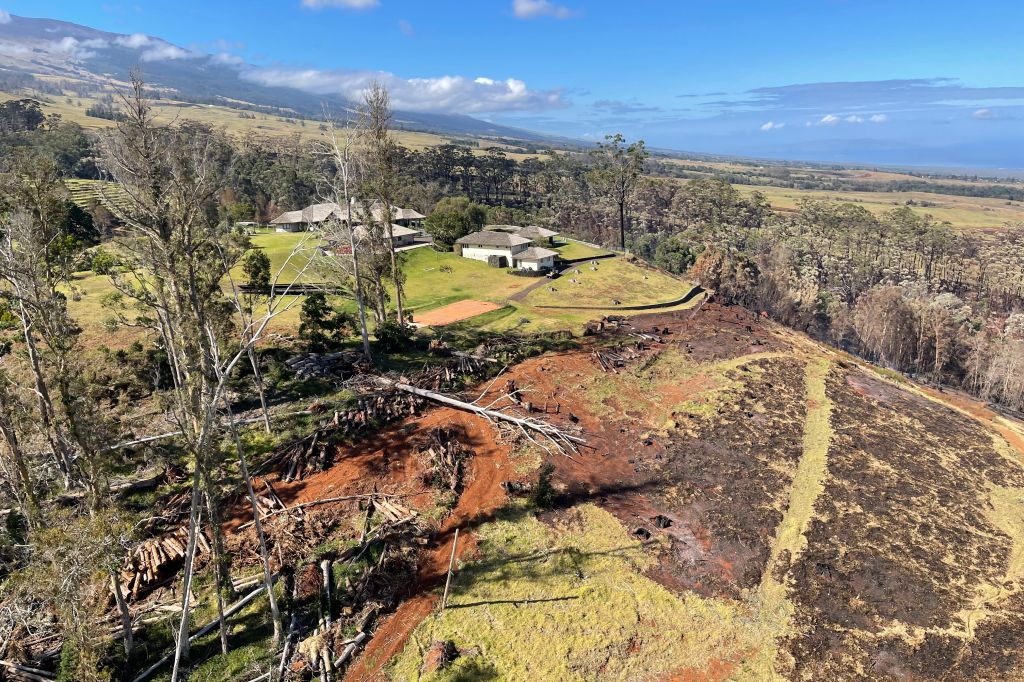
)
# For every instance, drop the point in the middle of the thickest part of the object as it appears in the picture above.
(444, 94)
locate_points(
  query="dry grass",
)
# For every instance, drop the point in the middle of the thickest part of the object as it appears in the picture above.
(571, 603)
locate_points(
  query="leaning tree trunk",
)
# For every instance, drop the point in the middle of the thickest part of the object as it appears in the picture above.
(46, 411)
(218, 561)
(268, 578)
(126, 615)
(258, 376)
(181, 647)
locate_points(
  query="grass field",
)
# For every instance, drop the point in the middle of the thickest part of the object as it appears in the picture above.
(433, 279)
(570, 249)
(614, 279)
(961, 212)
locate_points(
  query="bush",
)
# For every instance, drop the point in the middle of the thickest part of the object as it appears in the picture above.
(322, 326)
(103, 262)
(543, 494)
(392, 336)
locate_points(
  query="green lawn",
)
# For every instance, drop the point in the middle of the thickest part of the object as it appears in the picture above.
(614, 279)
(279, 246)
(570, 249)
(427, 286)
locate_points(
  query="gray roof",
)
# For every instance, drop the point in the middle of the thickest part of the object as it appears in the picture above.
(396, 231)
(536, 253)
(536, 232)
(318, 213)
(492, 238)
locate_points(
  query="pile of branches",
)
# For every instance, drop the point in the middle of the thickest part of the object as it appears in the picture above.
(369, 587)
(445, 457)
(612, 359)
(305, 456)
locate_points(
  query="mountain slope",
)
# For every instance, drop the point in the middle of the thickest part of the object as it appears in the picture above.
(87, 57)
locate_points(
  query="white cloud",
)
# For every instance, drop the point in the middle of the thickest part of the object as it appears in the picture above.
(985, 114)
(165, 51)
(5, 18)
(76, 49)
(406, 28)
(346, 4)
(829, 120)
(772, 125)
(227, 58)
(451, 94)
(13, 50)
(156, 50)
(134, 41)
(853, 118)
(879, 118)
(531, 9)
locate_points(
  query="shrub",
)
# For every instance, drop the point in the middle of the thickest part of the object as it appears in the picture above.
(392, 336)
(543, 494)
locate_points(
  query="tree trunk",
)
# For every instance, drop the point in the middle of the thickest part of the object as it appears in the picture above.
(394, 271)
(264, 554)
(360, 300)
(31, 501)
(181, 647)
(126, 616)
(46, 411)
(218, 559)
(622, 225)
(258, 375)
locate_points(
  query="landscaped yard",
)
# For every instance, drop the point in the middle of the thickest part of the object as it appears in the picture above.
(435, 279)
(570, 249)
(428, 286)
(614, 279)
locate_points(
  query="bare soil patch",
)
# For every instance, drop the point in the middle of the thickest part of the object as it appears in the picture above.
(454, 312)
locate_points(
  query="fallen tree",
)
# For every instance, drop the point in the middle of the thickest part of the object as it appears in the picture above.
(561, 440)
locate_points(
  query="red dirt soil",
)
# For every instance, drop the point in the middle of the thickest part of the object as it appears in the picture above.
(455, 312)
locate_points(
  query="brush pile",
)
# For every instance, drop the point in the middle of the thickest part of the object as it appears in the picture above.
(445, 457)
(612, 359)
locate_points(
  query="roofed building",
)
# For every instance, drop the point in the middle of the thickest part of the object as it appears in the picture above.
(313, 217)
(506, 250)
(538, 235)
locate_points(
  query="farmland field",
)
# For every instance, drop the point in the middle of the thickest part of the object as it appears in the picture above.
(965, 213)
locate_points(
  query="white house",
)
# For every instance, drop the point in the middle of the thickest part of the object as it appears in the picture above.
(506, 250)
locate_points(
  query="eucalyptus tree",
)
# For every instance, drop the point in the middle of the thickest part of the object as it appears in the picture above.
(617, 169)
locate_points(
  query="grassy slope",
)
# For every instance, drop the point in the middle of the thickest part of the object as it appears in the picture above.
(522, 605)
(427, 287)
(613, 279)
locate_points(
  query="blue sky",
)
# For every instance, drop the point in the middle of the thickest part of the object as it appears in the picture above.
(902, 81)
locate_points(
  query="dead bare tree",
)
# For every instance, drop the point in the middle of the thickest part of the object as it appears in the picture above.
(379, 152)
(338, 150)
(177, 258)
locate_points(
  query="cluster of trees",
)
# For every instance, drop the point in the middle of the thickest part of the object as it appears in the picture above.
(900, 288)
(66, 411)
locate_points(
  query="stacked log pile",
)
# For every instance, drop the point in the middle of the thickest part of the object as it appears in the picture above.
(340, 365)
(156, 559)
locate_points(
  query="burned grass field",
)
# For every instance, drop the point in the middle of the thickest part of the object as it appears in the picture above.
(750, 506)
